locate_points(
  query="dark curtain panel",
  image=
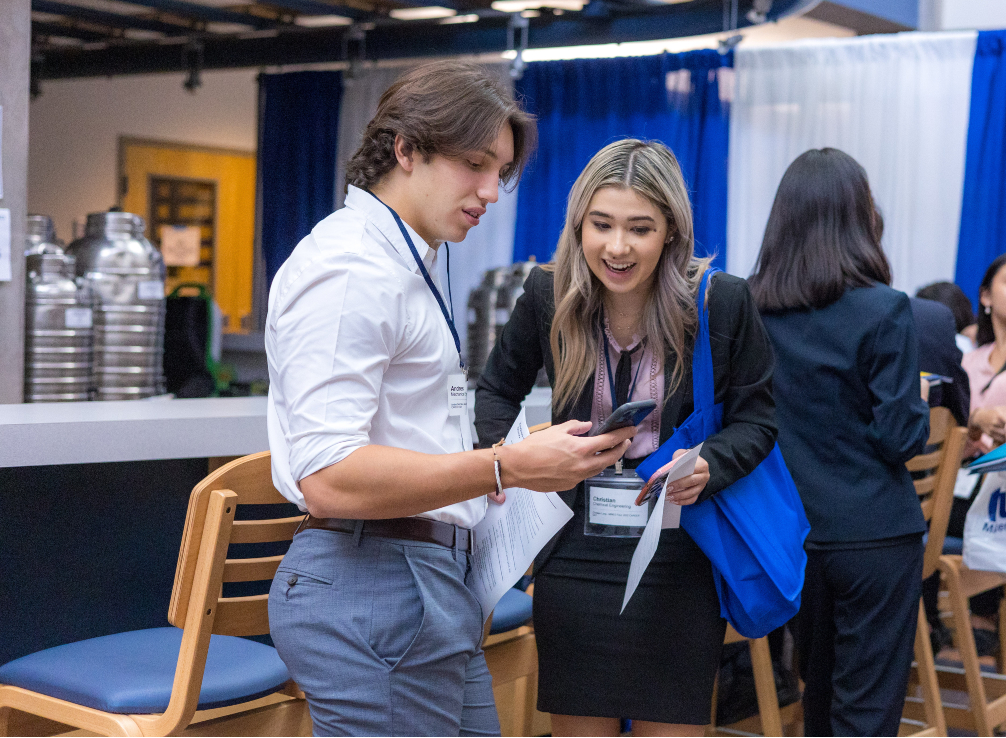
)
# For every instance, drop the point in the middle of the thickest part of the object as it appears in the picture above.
(584, 104)
(298, 131)
(983, 211)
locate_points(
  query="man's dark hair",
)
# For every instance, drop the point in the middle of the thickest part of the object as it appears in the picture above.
(985, 332)
(822, 237)
(953, 297)
(446, 108)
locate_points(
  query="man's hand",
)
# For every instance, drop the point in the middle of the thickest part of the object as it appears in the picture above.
(559, 458)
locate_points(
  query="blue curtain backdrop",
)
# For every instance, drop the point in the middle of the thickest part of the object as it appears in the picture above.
(298, 132)
(983, 212)
(584, 104)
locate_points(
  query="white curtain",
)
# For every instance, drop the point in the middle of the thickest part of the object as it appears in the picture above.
(897, 104)
(488, 245)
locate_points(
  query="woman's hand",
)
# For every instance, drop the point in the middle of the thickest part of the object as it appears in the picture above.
(686, 491)
(558, 458)
(988, 420)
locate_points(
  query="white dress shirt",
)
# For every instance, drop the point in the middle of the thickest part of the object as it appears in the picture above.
(359, 352)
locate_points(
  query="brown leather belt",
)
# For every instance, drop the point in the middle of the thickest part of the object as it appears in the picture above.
(409, 529)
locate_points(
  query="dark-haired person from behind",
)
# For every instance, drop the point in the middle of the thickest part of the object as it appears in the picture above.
(850, 415)
(954, 298)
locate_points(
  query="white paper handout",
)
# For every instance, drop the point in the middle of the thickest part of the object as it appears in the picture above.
(512, 534)
(663, 516)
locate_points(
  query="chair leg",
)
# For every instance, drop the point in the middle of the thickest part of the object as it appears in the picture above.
(1001, 656)
(768, 698)
(964, 642)
(927, 675)
(5, 721)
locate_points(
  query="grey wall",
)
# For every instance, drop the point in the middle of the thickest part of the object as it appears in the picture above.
(15, 34)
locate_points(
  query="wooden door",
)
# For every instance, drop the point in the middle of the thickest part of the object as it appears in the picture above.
(172, 184)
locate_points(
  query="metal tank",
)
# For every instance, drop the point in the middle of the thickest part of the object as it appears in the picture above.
(127, 274)
(58, 331)
(40, 236)
(489, 308)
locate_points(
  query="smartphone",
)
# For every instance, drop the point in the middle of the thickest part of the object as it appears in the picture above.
(626, 416)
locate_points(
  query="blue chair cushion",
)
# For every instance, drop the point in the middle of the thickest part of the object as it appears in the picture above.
(952, 545)
(132, 672)
(512, 611)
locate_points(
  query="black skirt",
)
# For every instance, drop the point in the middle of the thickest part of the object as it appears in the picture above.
(657, 661)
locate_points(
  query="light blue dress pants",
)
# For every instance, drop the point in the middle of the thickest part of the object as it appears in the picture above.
(383, 636)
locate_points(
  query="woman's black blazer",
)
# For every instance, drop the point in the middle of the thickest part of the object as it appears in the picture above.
(851, 414)
(742, 372)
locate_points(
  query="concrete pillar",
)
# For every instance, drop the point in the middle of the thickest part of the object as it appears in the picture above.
(15, 56)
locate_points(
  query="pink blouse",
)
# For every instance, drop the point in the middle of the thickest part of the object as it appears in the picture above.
(981, 373)
(650, 386)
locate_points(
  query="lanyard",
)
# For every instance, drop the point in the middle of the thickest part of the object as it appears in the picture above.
(429, 280)
(611, 377)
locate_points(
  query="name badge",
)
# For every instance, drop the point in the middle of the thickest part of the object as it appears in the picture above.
(457, 406)
(611, 510)
(609, 506)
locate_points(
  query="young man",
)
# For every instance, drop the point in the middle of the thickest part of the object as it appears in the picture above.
(369, 609)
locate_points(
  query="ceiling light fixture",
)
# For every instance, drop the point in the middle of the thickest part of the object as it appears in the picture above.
(469, 18)
(428, 12)
(322, 21)
(518, 6)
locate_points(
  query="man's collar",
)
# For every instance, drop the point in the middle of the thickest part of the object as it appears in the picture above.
(380, 215)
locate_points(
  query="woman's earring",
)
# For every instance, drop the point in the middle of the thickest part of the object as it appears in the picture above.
(988, 310)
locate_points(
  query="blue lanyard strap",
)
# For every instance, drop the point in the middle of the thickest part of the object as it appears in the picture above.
(611, 377)
(429, 280)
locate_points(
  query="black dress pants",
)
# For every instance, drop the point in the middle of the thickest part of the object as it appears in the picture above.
(856, 633)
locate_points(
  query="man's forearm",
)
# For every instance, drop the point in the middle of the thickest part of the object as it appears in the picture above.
(384, 482)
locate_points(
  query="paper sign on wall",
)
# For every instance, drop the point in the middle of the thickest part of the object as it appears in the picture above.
(1, 154)
(5, 274)
(180, 245)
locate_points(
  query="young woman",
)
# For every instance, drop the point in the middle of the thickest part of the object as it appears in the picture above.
(850, 415)
(613, 319)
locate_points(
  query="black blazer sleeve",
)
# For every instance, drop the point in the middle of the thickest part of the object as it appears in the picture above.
(938, 353)
(900, 424)
(513, 364)
(743, 364)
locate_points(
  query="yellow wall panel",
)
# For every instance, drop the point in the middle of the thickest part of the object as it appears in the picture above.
(234, 175)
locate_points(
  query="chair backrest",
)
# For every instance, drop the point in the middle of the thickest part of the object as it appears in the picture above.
(197, 602)
(250, 480)
(936, 474)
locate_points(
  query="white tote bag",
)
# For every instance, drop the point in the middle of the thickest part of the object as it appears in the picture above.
(985, 526)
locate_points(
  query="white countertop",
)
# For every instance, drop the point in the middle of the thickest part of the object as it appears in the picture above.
(42, 434)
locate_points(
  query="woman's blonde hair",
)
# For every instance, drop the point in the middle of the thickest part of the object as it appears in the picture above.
(651, 170)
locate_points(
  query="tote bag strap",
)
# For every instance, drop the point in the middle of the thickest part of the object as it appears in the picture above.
(703, 387)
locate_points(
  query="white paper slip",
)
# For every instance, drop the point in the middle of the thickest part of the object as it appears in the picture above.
(512, 534)
(965, 484)
(664, 515)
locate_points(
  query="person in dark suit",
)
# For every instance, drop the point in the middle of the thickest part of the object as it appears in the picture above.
(850, 415)
(612, 320)
(938, 353)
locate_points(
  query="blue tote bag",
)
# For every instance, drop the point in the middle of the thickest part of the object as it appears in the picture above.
(752, 531)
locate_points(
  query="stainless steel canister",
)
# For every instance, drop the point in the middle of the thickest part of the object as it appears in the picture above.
(484, 321)
(127, 274)
(58, 331)
(40, 236)
(489, 308)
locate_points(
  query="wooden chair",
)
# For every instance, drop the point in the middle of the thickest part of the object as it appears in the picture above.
(199, 609)
(935, 490)
(985, 710)
(769, 711)
(512, 657)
